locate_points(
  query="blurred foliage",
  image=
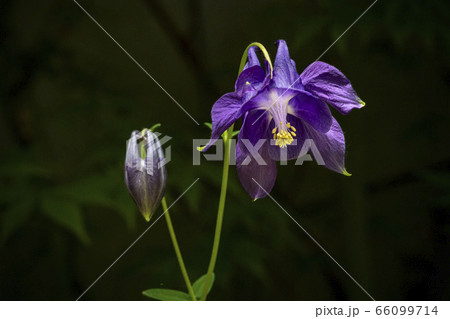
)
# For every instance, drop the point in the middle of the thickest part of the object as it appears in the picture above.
(69, 99)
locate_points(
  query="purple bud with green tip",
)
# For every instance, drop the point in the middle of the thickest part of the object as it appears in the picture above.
(145, 172)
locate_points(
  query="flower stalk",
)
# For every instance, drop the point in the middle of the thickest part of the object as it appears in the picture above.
(263, 50)
(223, 194)
(177, 250)
(227, 136)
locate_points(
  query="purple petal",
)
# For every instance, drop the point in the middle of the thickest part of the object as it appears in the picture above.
(330, 145)
(314, 111)
(258, 180)
(252, 58)
(328, 83)
(285, 74)
(254, 128)
(290, 151)
(224, 113)
(249, 79)
(268, 77)
(268, 97)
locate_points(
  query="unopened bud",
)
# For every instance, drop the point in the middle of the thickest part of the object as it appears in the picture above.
(145, 172)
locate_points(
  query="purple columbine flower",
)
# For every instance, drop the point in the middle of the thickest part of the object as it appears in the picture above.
(284, 111)
(145, 172)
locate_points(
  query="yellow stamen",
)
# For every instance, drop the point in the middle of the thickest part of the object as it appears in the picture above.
(284, 137)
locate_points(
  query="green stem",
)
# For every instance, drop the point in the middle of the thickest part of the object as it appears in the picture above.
(177, 250)
(264, 51)
(223, 194)
(227, 136)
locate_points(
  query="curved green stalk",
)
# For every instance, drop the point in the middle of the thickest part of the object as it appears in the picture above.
(227, 136)
(264, 51)
(223, 193)
(177, 250)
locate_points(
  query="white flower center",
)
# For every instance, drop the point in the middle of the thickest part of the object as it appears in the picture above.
(283, 132)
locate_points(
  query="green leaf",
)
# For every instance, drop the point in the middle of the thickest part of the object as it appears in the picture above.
(200, 283)
(166, 295)
(235, 133)
(208, 125)
(67, 214)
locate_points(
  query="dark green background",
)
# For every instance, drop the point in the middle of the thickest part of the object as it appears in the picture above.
(70, 99)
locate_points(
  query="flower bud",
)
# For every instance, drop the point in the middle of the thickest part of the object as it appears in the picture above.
(145, 171)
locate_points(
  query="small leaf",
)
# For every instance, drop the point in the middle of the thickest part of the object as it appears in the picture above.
(235, 133)
(166, 295)
(200, 283)
(208, 125)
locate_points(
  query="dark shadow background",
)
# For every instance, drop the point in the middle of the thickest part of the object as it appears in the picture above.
(70, 99)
